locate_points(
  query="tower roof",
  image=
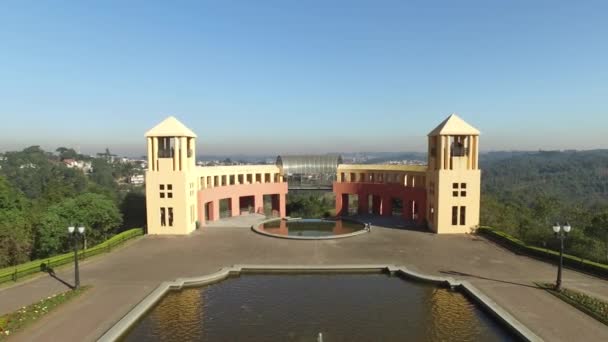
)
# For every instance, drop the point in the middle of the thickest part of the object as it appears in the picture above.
(170, 127)
(454, 125)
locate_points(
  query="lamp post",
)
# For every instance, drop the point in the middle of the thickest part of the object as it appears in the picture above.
(74, 232)
(561, 232)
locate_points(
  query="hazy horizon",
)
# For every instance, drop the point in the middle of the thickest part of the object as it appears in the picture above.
(293, 78)
(263, 154)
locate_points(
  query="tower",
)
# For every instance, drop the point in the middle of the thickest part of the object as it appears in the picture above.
(171, 178)
(453, 177)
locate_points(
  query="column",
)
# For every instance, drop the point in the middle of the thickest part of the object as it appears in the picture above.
(363, 203)
(376, 204)
(407, 209)
(200, 212)
(282, 205)
(214, 210)
(421, 209)
(235, 207)
(476, 152)
(183, 151)
(387, 206)
(439, 149)
(258, 203)
(339, 203)
(276, 206)
(154, 154)
(175, 155)
(149, 153)
(469, 148)
(446, 152)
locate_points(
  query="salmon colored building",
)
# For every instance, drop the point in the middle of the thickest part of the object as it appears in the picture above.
(443, 195)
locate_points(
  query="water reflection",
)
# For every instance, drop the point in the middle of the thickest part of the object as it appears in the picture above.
(345, 307)
(311, 227)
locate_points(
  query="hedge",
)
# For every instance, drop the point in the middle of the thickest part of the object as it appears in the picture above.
(13, 273)
(592, 306)
(521, 247)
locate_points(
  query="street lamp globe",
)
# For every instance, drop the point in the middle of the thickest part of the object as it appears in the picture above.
(71, 229)
(81, 230)
(556, 228)
(567, 228)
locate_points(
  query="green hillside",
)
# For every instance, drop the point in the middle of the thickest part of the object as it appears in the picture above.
(524, 193)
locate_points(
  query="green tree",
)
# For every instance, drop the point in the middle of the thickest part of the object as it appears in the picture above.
(15, 227)
(599, 229)
(98, 214)
(66, 153)
(102, 173)
(133, 209)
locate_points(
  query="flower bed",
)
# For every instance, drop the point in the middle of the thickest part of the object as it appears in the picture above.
(15, 321)
(591, 306)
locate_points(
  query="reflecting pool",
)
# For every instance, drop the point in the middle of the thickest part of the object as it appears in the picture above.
(311, 227)
(343, 307)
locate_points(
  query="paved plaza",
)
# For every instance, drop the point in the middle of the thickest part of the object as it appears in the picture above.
(124, 277)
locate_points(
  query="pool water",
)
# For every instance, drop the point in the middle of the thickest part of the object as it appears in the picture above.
(311, 227)
(343, 307)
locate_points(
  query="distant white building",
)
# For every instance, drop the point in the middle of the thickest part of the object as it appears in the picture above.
(137, 179)
(85, 166)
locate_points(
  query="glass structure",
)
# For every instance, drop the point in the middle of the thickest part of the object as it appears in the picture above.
(309, 171)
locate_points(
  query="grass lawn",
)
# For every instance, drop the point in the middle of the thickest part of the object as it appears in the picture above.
(16, 321)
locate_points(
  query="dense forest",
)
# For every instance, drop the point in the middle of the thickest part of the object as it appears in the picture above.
(40, 196)
(524, 193)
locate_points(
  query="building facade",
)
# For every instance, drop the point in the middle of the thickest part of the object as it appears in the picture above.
(443, 195)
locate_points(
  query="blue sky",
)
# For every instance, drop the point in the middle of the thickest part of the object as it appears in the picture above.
(259, 77)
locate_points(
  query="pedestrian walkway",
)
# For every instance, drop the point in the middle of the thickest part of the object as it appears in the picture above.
(124, 277)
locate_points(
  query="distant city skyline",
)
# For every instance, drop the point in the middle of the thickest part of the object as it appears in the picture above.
(273, 77)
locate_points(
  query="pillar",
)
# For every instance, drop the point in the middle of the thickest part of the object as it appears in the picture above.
(214, 210)
(345, 203)
(476, 152)
(235, 208)
(150, 165)
(363, 203)
(339, 203)
(421, 202)
(440, 151)
(175, 156)
(446, 152)
(407, 209)
(387, 206)
(258, 203)
(376, 204)
(276, 206)
(154, 154)
(282, 205)
(201, 213)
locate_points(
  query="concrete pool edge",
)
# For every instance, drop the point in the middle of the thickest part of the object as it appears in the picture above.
(119, 329)
(295, 237)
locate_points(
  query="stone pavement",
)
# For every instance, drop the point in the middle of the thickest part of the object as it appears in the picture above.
(124, 277)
